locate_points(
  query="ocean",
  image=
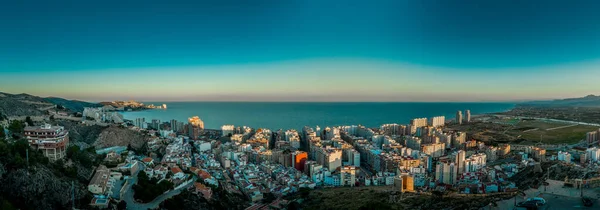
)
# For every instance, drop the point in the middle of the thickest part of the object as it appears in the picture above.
(296, 115)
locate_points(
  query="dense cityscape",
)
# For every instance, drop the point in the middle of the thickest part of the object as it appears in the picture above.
(300, 105)
(265, 168)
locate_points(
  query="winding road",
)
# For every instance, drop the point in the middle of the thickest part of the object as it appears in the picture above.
(133, 205)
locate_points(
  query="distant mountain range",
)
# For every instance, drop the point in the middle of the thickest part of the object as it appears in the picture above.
(29, 105)
(587, 101)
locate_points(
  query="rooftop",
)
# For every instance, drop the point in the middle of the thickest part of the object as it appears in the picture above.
(101, 176)
(176, 170)
(43, 128)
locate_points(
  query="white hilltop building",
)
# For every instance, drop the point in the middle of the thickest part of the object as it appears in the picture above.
(102, 114)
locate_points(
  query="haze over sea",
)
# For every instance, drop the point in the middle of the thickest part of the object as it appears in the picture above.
(296, 115)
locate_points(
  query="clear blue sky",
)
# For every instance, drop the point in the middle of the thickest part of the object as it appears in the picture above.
(308, 50)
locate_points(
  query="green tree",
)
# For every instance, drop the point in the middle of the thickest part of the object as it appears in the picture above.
(304, 192)
(73, 152)
(4, 151)
(2, 133)
(269, 197)
(19, 147)
(5, 204)
(16, 127)
(52, 117)
(147, 189)
(122, 205)
(29, 121)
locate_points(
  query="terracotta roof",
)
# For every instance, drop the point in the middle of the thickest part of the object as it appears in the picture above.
(147, 159)
(204, 174)
(176, 170)
(200, 186)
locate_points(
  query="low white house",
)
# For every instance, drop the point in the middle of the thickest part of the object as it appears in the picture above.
(177, 173)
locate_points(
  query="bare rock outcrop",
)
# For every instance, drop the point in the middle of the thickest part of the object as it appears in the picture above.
(117, 136)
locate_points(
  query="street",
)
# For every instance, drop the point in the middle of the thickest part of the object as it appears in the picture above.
(556, 196)
(132, 205)
(554, 202)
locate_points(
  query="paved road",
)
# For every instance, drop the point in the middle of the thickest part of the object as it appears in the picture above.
(556, 196)
(557, 202)
(132, 205)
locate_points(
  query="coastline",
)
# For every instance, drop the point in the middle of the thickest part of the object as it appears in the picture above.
(291, 115)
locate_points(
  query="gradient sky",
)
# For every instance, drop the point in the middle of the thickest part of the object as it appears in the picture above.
(305, 50)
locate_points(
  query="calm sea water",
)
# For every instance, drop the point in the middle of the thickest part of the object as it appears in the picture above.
(286, 115)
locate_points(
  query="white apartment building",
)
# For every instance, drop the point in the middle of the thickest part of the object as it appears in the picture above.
(467, 116)
(419, 122)
(475, 162)
(593, 154)
(446, 172)
(227, 130)
(564, 156)
(434, 150)
(438, 121)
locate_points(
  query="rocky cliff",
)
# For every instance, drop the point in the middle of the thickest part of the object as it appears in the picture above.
(117, 136)
(39, 188)
(79, 133)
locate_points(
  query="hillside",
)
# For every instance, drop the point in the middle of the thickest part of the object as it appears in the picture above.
(13, 105)
(587, 101)
(117, 136)
(73, 105)
(21, 105)
(43, 184)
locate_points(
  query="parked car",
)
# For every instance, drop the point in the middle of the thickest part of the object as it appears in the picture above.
(530, 205)
(538, 200)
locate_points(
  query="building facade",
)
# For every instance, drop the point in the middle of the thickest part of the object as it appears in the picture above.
(51, 140)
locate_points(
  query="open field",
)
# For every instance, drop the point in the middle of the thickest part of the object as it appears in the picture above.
(532, 131)
(383, 197)
(578, 114)
(524, 131)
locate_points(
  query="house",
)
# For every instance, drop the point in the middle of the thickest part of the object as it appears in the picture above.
(207, 178)
(113, 156)
(160, 171)
(148, 161)
(177, 173)
(132, 167)
(116, 175)
(149, 171)
(99, 182)
(203, 190)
